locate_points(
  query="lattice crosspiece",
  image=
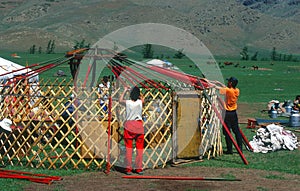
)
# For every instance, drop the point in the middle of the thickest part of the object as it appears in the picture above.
(53, 130)
(210, 128)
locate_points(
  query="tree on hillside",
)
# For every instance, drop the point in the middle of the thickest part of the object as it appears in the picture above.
(40, 50)
(244, 53)
(254, 57)
(179, 54)
(274, 54)
(147, 51)
(32, 49)
(50, 47)
(81, 44)
(290, 57)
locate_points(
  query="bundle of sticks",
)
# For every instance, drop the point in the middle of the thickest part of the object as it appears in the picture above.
(38, 178)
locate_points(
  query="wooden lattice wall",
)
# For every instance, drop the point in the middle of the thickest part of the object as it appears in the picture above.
(47, 135)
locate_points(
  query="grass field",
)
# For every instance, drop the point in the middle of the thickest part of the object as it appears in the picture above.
(272, 80)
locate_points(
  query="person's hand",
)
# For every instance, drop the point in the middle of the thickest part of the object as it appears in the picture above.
(126, 89)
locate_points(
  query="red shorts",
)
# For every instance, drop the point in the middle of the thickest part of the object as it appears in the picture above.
(134, 127)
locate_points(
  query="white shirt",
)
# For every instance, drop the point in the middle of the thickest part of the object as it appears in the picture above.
(134, 109)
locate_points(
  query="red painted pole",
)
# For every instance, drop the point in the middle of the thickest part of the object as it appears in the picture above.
(226, 129)
(43, 180)
(230, 136)
(246, 140)
(120, 70)
(117, 75)
(153, 83)
(180, 178)
(30, 174)
(156, 76)
(108, 166)
(130, 77)
(25, 68)
(87, 75)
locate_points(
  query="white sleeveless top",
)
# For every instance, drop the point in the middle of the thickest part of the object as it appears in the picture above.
(134, 109)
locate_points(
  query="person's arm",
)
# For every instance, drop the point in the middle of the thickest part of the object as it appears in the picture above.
(222, 90)
(121, 99)
(217, 85)
(142, 98)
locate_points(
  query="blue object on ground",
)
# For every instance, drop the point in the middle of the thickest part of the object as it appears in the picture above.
(280, 121)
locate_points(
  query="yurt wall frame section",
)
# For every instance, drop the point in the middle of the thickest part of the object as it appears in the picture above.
(45, 139)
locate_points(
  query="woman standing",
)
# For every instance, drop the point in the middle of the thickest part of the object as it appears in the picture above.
(133, 130)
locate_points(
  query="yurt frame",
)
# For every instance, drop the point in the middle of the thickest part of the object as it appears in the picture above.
(90, 137)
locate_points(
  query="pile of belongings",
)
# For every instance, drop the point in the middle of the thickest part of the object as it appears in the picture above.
(273, 137)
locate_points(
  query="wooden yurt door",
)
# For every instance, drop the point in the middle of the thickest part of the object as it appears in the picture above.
(186, 132)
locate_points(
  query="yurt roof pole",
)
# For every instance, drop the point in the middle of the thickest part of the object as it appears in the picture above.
(145, 69)
(126, 75)
(156, 77)
(151, 82)
(73, 53)
(25, 68)
(188, 79)
(131, 72)
(88, 73)
(156, 85)
(144, 78)
(116, 74)
(37, 71)
(133, 80)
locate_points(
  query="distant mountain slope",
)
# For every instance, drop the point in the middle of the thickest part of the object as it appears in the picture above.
(224, 26)
(289, 9)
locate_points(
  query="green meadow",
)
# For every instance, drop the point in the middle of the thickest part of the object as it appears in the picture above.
(272, 80)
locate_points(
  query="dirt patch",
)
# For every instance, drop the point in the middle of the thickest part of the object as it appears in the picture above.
(246, 111)
(265, 69)
(249, 180)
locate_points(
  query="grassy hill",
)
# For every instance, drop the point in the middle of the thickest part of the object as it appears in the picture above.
(225, 27)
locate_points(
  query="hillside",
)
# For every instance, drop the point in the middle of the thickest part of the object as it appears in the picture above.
(278, 8)
(224, 26)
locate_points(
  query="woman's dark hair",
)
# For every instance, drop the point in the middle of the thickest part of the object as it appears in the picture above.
(135, 93)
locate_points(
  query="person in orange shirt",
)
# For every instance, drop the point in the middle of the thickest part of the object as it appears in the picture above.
(231, 93)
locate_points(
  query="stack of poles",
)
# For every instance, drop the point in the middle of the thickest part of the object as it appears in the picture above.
(38, 178)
